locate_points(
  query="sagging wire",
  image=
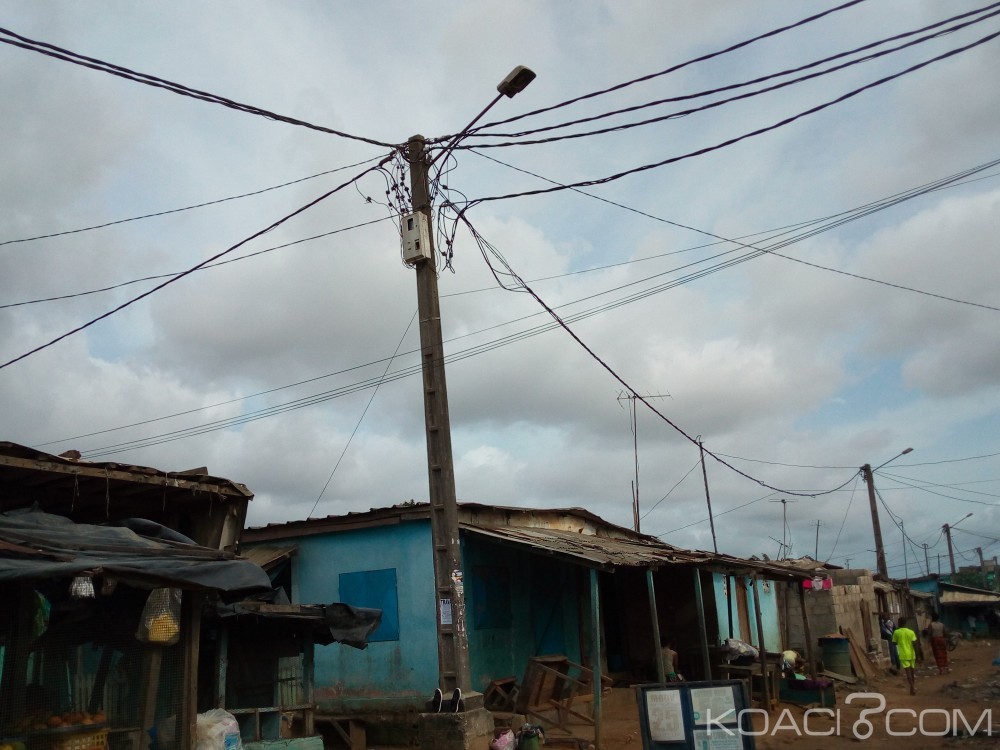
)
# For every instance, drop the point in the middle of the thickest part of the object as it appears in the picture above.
(516, 283)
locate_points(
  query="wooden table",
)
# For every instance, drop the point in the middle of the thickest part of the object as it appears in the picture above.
(747, 674)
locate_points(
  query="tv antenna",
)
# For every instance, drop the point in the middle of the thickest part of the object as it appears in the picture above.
(634, 426)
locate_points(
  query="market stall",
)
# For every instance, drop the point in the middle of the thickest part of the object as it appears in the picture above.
(100, 635)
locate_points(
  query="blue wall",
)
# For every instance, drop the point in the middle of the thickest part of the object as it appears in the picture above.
(768, 612)
(518, 605)
(407, 667)
(541, 614)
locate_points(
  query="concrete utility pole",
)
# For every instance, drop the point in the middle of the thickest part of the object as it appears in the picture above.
(816, 550)
(951, 554)
(866, 470)
(453, 643)
(418, 251)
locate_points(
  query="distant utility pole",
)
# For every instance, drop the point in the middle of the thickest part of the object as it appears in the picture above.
(927, 560)
(906, 566)
(816, 551)
(634, 424)
(866, 470)
(784, 522)
(951, 553)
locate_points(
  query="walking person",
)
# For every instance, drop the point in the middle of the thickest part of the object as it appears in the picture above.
(939, 644)
(905, 640)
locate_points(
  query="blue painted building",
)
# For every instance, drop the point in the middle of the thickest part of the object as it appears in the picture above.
(973, 611)
(529, 591)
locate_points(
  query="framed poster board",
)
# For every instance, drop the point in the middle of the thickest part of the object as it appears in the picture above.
(695, 716)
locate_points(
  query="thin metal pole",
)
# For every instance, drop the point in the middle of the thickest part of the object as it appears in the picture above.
(661, 672)
(708, 497)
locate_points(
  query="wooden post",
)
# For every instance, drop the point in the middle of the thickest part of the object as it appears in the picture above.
(761, 645)
(309, 684)
(595, 647)
(191, 635)
(222, 664)
(702, 625)
(810, 655)
(661, 673)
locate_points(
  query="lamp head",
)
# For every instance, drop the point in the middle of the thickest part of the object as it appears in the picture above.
(516, 81)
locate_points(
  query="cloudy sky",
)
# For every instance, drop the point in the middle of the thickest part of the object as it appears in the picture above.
(819, 294)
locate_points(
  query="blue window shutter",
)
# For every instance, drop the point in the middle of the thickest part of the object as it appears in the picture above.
(375, 589)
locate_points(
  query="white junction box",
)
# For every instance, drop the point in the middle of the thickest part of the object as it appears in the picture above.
(416, 231)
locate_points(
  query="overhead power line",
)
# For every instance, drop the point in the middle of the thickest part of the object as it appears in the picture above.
(185, 208)
(9, 37)
(737, 139)
(740, 97)
(191, 270)
(203, 268)
(499, 342)
(679, 66)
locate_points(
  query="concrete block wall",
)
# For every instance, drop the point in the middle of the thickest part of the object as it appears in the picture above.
(831, 609)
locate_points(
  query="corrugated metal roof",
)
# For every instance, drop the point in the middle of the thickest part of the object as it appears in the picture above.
(66, 483)
(609, 553)
(267, 556)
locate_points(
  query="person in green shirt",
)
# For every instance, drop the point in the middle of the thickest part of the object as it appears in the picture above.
(904, 638)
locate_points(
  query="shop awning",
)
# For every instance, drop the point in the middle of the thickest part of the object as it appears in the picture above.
(37, 545)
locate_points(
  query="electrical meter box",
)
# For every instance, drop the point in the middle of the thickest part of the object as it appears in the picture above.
(416, 231)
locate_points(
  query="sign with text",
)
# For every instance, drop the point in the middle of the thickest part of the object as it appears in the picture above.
(695, 716)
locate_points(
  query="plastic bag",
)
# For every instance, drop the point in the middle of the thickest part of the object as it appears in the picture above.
(161, 618)
(503, 739)
(218, 730)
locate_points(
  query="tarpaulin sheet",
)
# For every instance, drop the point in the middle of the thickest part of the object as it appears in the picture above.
(63, 549)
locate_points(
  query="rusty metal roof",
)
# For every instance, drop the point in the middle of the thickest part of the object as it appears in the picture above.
(68, 484)
(573, 534)
(268, 556)
(610, 553)
(91, 491)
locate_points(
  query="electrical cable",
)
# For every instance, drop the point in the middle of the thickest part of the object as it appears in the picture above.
(185, 208)
(653, 507)
(362, 417)
(487, 250)
(940, 494)
(843, 521)
(494, 344)
(945, 486)
(721, 102)
(203, 268)
(60, 53)
(846, 217)
(191, 270)
(679, 66)
(737, 139)
(716, 515)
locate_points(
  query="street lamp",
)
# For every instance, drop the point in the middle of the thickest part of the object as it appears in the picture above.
(418, 251)
(947, 535)
(867, 472)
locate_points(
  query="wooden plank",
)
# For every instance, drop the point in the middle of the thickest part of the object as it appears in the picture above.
(859, 659)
